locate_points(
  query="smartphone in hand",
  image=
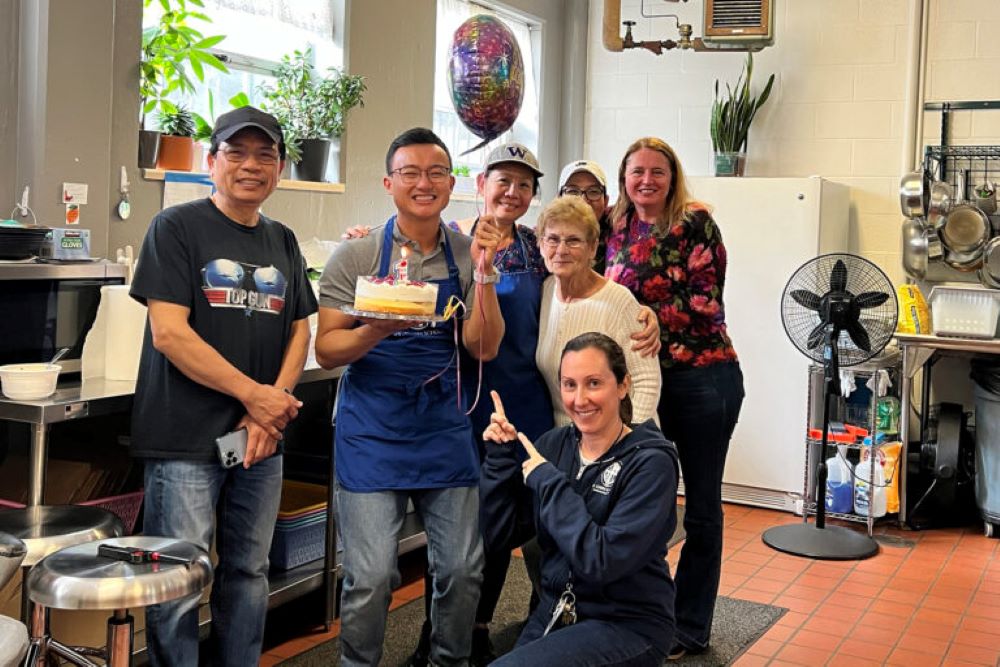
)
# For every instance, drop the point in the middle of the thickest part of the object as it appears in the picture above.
(232, 448)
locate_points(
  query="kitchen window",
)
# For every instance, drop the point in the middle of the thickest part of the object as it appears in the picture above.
(528, 33)
(258, 33)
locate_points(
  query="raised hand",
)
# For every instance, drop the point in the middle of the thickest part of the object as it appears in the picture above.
(500, 430)
(485, 242)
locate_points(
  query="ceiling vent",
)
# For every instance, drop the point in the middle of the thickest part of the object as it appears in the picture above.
(739, 22)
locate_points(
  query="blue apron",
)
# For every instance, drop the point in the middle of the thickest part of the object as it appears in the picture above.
(513, 373)
(393, 429)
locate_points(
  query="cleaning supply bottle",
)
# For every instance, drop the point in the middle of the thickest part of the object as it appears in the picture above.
(839, 483)
(869, 484)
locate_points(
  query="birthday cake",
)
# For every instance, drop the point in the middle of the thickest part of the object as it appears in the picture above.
(393, 295)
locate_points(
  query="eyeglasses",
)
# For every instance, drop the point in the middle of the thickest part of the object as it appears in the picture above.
(411, 175)
(238, 154)
(572, 242)
(594, 193)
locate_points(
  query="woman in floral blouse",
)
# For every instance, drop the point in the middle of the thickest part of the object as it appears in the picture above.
(666, 248)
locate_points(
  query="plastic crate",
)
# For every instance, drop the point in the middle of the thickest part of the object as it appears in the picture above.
(296, 546)
(300, 532)
(966, 311)
(125, 506)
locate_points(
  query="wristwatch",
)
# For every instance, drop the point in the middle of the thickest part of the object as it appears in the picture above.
(485, 279)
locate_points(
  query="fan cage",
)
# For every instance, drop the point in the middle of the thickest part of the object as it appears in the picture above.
(862, 276)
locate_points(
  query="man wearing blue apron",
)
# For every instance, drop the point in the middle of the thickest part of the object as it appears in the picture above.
(400, 431)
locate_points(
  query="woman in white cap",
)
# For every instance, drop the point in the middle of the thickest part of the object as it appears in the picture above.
(585, 178)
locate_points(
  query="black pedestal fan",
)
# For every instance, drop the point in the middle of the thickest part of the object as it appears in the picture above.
(838, 310)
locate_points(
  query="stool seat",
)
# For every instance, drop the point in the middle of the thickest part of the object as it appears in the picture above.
(12, 552)
(13, 641)
(45, 529)
(77, 578)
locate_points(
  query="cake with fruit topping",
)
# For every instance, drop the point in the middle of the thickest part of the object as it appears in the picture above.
(392, 295)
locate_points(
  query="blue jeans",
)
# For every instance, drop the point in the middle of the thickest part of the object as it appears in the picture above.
(369, 528)
(698, 410)
(184, 499)
(589, 643)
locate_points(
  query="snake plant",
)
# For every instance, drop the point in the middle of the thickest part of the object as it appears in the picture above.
(733, 113)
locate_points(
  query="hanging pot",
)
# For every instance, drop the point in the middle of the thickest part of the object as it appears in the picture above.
(938, 204)
(914, 248)
(989, 274)
(966, 229)
(914, 195)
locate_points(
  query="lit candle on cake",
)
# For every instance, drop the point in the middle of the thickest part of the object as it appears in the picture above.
(401, 266)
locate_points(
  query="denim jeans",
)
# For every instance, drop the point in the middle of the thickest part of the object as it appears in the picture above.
(698, 410)
(369, 528)
(184, 500)
(589, 643)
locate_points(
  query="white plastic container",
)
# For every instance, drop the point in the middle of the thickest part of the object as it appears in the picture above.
(869, 497)
(966, 310)
(27, 382)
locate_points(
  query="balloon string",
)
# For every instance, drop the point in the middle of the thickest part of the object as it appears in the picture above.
(482, 315)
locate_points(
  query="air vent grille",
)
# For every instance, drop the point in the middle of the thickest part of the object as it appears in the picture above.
(736, 13)
(739, 21)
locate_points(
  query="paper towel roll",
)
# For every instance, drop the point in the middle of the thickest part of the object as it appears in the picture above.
(114, 344)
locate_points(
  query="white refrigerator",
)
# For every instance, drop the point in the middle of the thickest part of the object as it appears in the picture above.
(770, 227)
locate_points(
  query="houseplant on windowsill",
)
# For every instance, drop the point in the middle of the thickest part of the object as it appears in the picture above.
(731, 118)
(169, 50)
(176, 140)
(311, 109)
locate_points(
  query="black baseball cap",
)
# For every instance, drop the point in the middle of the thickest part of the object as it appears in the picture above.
(233, 121)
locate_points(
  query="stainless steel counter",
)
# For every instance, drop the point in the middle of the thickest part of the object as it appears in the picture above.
(84, 398)
(917, 351)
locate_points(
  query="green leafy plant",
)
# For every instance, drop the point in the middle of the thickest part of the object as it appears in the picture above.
(177, 123)
(309, 105)
(733, 113)
(172, 53)
(462, 170)
(203, 127)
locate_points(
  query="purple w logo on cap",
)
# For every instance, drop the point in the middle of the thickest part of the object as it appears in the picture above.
(516, 151)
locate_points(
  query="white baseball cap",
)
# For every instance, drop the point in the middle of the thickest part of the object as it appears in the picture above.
(577, 166)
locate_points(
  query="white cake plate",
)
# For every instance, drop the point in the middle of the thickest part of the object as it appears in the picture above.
(391, 316)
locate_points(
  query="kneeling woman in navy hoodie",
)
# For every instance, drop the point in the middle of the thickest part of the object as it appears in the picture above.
(601, 496)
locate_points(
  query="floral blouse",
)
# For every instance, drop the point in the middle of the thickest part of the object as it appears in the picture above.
(680, 275)
(511, 258)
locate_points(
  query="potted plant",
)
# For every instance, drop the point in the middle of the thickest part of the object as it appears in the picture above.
(176, 140)
(203, 126)
(731, 118)
(311, 109)
(169, 50)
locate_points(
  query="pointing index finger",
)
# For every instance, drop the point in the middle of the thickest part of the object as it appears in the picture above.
(497, 404)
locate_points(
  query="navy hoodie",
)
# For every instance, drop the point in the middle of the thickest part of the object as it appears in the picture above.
(607, 530)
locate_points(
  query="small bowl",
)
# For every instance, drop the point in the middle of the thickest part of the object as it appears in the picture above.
(27, 382)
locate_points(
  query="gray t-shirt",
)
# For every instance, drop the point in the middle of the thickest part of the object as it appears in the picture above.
(361, 257)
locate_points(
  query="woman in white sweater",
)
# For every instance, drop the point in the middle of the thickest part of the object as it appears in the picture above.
(576, 299)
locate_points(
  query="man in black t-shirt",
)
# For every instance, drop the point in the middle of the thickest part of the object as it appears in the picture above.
(224, 346)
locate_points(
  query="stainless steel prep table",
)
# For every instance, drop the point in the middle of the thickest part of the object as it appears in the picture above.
(918, 349)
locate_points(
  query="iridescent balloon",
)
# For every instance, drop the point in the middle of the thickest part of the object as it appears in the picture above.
(486, 77)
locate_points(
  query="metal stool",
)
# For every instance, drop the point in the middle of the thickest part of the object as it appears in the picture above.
(13, 634)
(45, 529)
(77, 578)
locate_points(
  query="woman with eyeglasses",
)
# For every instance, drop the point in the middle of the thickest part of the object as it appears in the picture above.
(586, 179)
(577, 299)
(668, 251)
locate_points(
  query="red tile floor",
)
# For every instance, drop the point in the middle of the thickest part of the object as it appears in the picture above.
(933, 600)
